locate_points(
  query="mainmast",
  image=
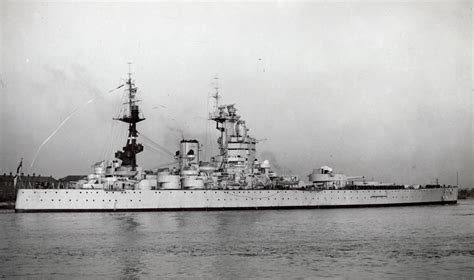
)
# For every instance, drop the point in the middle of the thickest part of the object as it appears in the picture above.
(132, 117)
(219, 116)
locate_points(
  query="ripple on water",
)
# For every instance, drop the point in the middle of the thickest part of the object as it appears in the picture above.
(406, 242)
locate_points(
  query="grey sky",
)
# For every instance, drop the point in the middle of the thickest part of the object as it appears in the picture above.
(376, 89)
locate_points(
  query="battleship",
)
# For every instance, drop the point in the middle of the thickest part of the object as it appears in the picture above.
(233, 179)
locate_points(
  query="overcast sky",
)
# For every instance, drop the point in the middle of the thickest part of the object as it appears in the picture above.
(376, 89)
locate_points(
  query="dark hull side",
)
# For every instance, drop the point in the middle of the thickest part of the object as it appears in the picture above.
(237, 208)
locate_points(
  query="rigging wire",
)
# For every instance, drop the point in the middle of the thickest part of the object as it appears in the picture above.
(156, 149)
(106, 149)
(116, 132)
(157, 146)
(206, 127)
(103, 153)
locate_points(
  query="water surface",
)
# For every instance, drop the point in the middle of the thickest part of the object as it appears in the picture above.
(409, 242)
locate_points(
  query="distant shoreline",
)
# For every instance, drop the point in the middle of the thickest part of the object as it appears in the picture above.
(465, 193)
(7, 205)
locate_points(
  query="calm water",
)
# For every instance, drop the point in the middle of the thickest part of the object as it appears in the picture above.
(411, 242)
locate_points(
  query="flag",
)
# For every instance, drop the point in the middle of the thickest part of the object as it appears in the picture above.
(116, 88)
(18, 169)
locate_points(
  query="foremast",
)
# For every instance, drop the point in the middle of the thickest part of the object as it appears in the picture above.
(132, 117)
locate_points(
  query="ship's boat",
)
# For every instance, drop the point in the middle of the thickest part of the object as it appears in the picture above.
(232, 179)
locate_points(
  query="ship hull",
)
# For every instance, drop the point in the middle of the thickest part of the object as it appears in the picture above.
(82, 200)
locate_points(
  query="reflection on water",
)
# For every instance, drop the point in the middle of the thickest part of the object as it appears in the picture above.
(407, 242)
(129, 235)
